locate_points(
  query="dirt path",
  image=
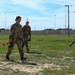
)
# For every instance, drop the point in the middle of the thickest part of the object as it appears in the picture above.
(29, 67)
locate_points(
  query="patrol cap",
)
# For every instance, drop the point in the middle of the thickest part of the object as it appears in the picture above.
(27, 22)
(17, 17)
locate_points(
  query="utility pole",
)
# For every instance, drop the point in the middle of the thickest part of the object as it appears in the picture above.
(5, 20)
(68, 20)
(55, 22)
(65, 18)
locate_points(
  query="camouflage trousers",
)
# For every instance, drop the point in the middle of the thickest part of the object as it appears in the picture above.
(19, 45)
(25, 42)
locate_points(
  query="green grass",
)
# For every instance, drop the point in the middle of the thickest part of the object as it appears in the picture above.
(56, 72)
(8, 71)
(47, 49)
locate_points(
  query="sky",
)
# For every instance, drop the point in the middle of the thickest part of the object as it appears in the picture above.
(41, 14)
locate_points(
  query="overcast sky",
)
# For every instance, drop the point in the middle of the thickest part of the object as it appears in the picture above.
(42, 14)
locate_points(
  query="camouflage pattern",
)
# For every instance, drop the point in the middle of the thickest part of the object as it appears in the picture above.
(26, 35)
(16, 37)
(27, 31)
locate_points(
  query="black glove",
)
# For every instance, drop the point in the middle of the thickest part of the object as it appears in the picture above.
(29, 39)
(10, 44)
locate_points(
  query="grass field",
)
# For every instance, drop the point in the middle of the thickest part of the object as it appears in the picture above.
(49, 55)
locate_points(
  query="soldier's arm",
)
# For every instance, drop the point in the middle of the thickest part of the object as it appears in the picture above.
(11, 34)
(21, 32)
(29, 33)
(12, 30)
(11, 37)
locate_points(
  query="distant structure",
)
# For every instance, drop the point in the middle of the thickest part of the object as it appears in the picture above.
(46, 31)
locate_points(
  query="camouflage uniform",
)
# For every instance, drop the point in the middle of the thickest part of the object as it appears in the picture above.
(16, 37)
(26, 36)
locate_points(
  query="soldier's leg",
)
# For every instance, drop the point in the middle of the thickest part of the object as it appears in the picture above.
(72, 42)
(23, 44)
(21, 52)
(10, 48)
(8, 53)
(27, 48)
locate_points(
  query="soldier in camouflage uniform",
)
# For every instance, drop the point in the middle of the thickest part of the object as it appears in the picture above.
(16, 37)
(26, 35)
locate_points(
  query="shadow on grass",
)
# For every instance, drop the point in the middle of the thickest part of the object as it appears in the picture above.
(34, 52)
(23, 63)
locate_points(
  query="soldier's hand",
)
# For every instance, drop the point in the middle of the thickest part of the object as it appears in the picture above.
(29, 39)
(10, 44)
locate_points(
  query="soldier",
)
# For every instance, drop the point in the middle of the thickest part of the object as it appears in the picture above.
(72, 42)
(26, 35)
(16, 37)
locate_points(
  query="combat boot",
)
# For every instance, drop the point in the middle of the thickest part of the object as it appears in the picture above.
(23, 59)
(7, 57)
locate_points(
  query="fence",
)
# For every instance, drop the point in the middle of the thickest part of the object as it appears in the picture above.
(43, 32)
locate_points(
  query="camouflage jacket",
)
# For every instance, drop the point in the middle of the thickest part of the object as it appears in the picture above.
(16, 31)
(26, 31)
